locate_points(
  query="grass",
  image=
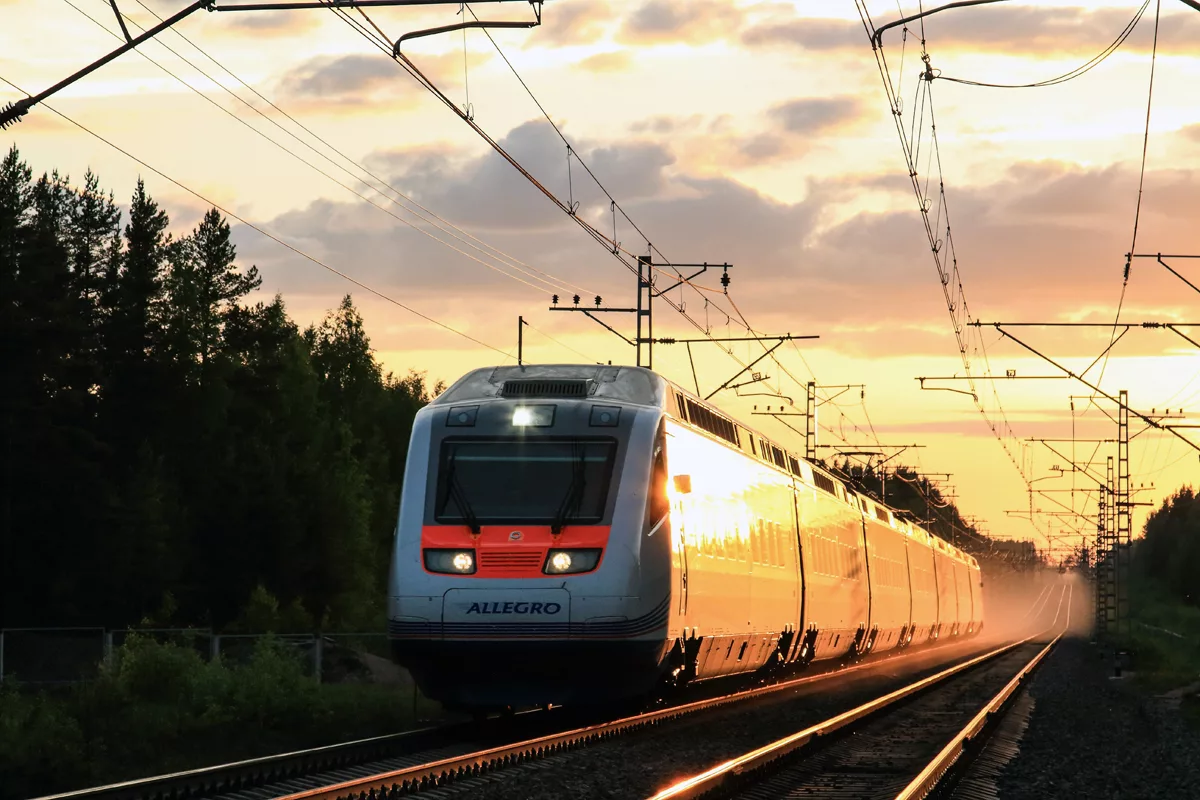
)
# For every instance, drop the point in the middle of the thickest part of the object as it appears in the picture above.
(159, 708)
(1162, 661)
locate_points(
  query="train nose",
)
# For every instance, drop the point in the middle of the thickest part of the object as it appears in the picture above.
(504, 612)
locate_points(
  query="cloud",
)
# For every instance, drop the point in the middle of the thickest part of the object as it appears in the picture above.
(806, 34)
(1015, 30)
(690, 21)
(1045, 242)
(368, 81)
(665, 124)
(331, 77)
(487, 191)
(613, 61)
(1021, 30)
(787, 131)
(809, 115)
(275, 23)
(1191, 132)
(577, 22)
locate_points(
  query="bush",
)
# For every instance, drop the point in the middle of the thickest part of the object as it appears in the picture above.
(159, 707)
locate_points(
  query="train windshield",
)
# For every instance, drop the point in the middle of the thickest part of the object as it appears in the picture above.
(546, 481)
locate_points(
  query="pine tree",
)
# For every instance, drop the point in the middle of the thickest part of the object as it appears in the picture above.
(203, 285)
(15, 178)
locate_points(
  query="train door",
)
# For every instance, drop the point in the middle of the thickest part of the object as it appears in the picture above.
(663, 502)
(800, 643)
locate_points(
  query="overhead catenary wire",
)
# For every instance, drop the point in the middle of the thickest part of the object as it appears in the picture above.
(559, 342)
(1077, 72)
(947, 268)
(445, 227)
(1137, 212)
(258, 229)
(568, 207)
(381, 42)
(375, 37)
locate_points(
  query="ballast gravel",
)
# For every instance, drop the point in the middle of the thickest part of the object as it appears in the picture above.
(1098, 737)
(641, 764)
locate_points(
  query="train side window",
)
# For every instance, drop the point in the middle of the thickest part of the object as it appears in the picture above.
(659, 502)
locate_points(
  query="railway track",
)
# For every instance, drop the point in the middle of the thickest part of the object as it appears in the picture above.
(400, 764)
(907, 745)
(465, 775)
(434, 756)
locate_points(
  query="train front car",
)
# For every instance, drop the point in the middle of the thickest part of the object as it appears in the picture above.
(525, 570)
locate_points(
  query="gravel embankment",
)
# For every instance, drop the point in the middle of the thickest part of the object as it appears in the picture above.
(1094, 737)
(638, 765)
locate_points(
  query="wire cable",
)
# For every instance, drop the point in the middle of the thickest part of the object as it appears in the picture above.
(943, 250)
(1137, 213)
(514, 264)
(257, 228)
(1079, 71)
(383, 43)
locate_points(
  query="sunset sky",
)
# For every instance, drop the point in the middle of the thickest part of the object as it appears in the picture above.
(756, 133)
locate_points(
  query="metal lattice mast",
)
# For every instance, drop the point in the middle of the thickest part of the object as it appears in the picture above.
(1123, 509)
(1102, 563)
(810, 427)
(1108, 553)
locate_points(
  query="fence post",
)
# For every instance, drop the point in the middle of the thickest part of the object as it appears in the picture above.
(108, 648)
(318, 647)
(214, 647)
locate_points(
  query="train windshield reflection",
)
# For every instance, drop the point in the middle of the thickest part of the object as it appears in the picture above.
(538, 481)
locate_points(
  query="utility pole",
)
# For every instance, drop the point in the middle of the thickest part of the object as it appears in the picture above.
(521, 323)
(643, 340)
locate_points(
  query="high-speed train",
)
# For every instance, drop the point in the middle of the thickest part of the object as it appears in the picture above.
(574, 533)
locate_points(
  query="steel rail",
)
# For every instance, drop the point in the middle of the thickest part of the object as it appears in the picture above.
(725, 775)
(975, 733)
(253, 772)
(240, 775)
(248, 773)
(426, 776)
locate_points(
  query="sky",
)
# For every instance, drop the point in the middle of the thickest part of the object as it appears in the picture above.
(752, 133)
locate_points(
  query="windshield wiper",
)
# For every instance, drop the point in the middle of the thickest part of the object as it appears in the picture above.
(574, 497)
(455, 490)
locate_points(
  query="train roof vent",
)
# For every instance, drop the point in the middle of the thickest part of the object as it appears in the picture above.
(545, 388)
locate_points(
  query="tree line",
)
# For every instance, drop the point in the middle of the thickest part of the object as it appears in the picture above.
(1169, 552)
(907, 490)
(171, 451)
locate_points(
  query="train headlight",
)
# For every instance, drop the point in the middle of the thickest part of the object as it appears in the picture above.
(566, 562)
(533, 416)
(451, 562)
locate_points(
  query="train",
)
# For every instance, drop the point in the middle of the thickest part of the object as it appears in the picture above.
(583, 534)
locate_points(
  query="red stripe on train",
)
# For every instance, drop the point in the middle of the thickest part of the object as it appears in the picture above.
(513, 551)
